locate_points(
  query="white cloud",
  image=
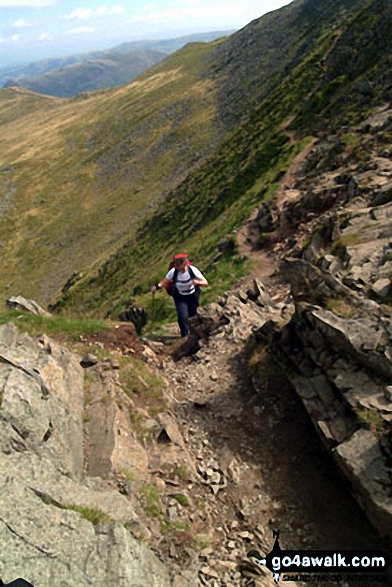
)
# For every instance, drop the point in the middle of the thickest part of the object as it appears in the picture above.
(103, 10)
(86, 13)
(118, 9)
(21, 23)
(27, 3)
(185, 11)
(230, 13)
(15, 38)
(45, 37)
(81, 30)
(81, 14)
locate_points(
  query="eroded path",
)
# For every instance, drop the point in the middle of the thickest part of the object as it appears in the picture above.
(259, 464)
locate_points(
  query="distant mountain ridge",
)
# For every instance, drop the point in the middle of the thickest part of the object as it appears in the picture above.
(112, 69)
(64, 77)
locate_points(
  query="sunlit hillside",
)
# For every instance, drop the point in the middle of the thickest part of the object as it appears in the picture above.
(100, 189)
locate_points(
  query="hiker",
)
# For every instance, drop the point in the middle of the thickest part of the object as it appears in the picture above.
(184, 280)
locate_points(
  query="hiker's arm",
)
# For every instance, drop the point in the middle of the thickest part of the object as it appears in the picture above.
(198, 278)
(160, 285)
(201, 281)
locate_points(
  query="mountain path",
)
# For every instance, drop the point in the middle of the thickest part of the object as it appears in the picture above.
(280, 476)
(259, 439)
(265, 263)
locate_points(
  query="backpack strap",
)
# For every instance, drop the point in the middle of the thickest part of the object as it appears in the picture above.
(175, 274)
(192, 275)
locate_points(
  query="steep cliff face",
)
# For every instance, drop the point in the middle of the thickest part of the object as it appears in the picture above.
(255, 61)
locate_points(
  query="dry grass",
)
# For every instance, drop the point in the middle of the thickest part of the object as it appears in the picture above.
(82, 173)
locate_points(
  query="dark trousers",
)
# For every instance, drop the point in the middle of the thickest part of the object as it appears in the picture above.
(186, 307)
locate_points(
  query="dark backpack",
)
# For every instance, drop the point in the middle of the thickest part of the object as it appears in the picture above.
(171, 286)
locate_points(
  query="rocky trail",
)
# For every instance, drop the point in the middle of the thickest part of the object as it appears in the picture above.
(259, 465)
(200, 483)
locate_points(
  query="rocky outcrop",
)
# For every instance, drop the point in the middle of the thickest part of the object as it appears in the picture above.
(57, 525)
(343, 372)
(353, 355)
(110, 443)
(20, 303)
(364, 464)
(339, 340)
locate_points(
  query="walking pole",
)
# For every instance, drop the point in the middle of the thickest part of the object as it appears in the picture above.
(152, 312)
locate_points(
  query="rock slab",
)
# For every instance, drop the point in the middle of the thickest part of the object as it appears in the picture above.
(46, 535)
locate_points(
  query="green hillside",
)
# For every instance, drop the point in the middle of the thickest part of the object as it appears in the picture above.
(105, 188)
(78, 175)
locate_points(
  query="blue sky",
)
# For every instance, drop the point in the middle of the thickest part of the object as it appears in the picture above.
(37, 29)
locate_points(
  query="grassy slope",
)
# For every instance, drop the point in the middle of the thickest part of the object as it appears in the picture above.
(77, 175)
(216, 199)
(140, 141)
(256, 60)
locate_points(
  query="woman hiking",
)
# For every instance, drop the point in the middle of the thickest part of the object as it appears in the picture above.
(185, 280)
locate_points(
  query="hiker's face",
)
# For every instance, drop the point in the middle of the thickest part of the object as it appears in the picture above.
(180, 264)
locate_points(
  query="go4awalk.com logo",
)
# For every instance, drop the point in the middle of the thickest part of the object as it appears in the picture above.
(309, 565)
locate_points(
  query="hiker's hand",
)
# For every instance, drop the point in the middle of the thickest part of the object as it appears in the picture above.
(153, 289)
(200, 282)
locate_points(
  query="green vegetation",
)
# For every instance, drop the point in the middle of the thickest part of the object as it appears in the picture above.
(93, 515)
(71, 329)
(127, 474)
(181, 471)
(137, 379)
(99, 144)
(346, 240)
(145, 388)
(150, 500)
(211, 202)
(181, 499)
(371, 420)
(261, 365)
(269, 366)
(202, 541)
(176, 526)
(341, 307)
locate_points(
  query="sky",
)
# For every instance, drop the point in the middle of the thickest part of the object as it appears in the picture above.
(38, 29)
